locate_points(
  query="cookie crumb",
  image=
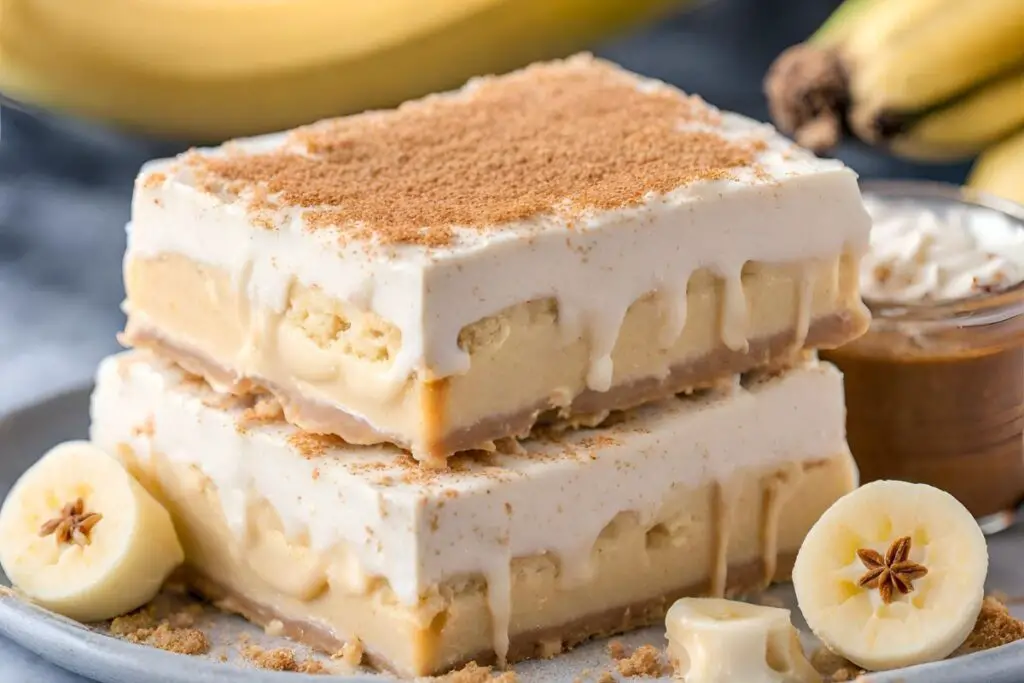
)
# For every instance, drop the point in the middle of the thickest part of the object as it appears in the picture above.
(274, 628)
(616, 650)
(183, 641)
(281, 659)
(474, 673)
(265, 410)
(606, 677)
(995, 627)
(645, 662)
(128, 624)
(351, 653)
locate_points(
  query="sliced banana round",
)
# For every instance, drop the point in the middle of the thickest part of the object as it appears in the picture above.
(80, 536)
(711, 640)
(893, 574)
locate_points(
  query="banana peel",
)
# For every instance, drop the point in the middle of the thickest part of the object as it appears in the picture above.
(207, 70)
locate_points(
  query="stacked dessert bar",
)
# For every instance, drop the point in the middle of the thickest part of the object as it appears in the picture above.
(494, 372)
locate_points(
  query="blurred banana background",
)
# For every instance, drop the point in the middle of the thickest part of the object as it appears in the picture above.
(213, 69)
(927, 80)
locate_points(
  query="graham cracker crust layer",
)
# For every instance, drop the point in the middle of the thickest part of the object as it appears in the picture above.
(534, 644)
(590, 407)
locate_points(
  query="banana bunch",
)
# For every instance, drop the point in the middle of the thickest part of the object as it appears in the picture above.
(214, 69)
(928, 80)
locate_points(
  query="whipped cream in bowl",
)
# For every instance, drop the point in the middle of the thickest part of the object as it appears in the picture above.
(932, 251)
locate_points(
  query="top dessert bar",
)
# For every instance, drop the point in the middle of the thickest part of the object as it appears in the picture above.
(552, 244)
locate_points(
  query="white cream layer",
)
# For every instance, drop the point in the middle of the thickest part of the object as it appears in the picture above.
(555, 497)
(788, 208)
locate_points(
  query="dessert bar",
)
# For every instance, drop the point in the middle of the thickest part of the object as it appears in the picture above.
(549, 245)
(505, 555)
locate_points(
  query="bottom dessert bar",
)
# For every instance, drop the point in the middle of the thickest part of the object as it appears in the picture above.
(506, 555)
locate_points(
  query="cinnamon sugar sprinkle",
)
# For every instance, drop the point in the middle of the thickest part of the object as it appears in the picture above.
(555, 138)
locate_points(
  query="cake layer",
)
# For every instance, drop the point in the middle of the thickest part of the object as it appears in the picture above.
(314, 365)
(438, 275)
(501, 553)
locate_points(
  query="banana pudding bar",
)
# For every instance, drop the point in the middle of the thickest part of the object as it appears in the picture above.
(553, 244)
(505, 555)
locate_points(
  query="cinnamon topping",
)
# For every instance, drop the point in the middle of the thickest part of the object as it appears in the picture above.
(554, 138)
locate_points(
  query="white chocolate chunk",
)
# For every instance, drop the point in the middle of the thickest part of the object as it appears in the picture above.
(711, 640)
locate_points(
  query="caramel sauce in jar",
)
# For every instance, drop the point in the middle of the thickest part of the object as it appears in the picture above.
(935, 392)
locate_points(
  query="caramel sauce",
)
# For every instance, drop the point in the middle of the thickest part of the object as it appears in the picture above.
(948, 411)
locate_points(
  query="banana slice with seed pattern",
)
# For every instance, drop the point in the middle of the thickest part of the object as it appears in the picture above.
(892, 575)
(80, 536)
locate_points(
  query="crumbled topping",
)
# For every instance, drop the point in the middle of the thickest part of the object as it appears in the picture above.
(313, 445)
(183, 641)
(474, 673)
(155, 179)
(281, 659)
(265, 410)
(557, 138)
(995, 627)
(616, 650)
(132, 622)
(351, 653)
(646, 661)
(167, 622)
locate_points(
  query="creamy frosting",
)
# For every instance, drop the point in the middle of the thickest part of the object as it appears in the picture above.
(418, 528)
(787, 208)
(924, 254)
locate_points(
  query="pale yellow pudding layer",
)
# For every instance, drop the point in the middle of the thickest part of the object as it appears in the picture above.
(328, 361)
(505, 555)
(638, 571)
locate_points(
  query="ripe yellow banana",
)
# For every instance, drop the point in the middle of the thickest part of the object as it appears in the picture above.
(930, 80)
(212, 69)
(1000, 170)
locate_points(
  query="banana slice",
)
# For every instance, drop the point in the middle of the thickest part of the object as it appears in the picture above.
(711, 640)
(80, 536)
(892, 575)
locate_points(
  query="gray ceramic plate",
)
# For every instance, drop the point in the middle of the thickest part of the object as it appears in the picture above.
(88, 651)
